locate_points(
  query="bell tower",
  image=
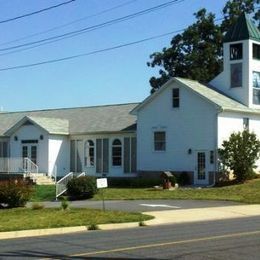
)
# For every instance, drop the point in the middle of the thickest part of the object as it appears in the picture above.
(240, 78)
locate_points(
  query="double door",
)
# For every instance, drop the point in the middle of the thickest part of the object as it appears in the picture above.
(30, 151)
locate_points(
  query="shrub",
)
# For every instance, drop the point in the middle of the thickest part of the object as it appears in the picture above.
(37, 206)
(240, 153)
(15, 193)
(183, 179)
(82, 188)
(133, 182)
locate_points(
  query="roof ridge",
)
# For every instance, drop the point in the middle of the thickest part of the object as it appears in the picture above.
(68, 108)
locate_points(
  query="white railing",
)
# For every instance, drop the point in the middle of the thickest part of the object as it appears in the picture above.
(17, 165)
(61, 185)
(29, 166)
(11, 165)
(81, 174)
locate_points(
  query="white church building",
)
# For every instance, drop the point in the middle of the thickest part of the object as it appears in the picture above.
(179, 128)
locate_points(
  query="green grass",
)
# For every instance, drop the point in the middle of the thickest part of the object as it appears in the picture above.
(24, 218)
(248, 193)
(43, 193)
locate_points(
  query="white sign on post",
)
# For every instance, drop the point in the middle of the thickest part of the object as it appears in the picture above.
(102, 183)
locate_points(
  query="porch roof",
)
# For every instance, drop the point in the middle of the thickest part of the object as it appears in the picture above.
(82, 120)
(50, 125)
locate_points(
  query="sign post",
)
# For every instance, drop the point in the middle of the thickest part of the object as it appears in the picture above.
(101, 184)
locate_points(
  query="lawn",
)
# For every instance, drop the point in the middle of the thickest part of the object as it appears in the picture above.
(24, 218)
(43, 193)
(248, 192)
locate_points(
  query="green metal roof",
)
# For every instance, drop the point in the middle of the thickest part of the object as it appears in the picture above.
(243, 29)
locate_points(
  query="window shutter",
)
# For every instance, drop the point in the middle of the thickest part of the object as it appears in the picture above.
(126, 154)
(99, 156)
(105, 156)
(133, 154)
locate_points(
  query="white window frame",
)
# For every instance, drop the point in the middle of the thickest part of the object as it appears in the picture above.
(87, 147)
(121, 155)
(154, 141)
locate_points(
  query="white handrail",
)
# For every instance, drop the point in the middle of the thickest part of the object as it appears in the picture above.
(61, 185)
(29, 165)
(82, 174)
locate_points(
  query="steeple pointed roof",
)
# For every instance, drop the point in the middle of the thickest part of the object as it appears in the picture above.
(243, 29)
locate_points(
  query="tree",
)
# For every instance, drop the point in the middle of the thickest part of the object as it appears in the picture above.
(197, 52)
(240, 153)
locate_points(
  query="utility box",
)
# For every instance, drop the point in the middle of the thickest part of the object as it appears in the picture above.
(166, 179)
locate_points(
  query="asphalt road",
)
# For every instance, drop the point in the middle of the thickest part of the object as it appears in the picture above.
(228, 239)
(145, 205)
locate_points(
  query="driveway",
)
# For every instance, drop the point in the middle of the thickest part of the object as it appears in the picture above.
(145, 205)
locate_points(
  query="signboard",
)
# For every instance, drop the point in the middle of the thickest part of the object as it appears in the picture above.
(102, 183)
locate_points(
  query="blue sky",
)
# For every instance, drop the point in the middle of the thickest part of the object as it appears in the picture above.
(118, 76)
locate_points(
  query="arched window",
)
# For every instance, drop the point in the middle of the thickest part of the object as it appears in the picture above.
(89, 159)
(116, 153)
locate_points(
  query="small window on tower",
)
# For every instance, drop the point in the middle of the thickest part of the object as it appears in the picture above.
(256, 51)
(246, 123)
(236, 75)
(236, 51)
(256, 79)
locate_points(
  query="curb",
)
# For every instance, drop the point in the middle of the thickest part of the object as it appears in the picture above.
(63, 230)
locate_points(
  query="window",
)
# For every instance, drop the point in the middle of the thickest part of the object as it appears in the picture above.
(116, 153)
(256, 88)
(256, 79)
(102, 155)
(256, 51)
(246, 123)
(129, 154)
(236, 75)
(76, 155)
(89, 159)
(3, 149)
(211, 157)
(175, 97)
(159, 141)
(236, 51)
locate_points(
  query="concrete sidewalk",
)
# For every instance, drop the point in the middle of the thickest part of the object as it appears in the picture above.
(161, 218)
(203, 214)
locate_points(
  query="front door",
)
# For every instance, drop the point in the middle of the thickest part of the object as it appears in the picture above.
(201, 172)
(30, 151)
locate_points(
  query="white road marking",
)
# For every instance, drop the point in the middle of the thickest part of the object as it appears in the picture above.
(159, 206)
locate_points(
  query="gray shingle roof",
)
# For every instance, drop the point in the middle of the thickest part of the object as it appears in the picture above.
(51, 125)
(97, 119)
(214, 96)
(221, 100)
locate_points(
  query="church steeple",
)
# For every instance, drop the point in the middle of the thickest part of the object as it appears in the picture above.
(240, 78)
(243, 29)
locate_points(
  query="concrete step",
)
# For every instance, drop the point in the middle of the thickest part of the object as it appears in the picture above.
(41, 179)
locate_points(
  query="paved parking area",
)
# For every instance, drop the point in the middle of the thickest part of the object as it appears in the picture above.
(145, 205)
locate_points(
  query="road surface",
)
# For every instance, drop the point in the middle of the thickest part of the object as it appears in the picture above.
(226, 239)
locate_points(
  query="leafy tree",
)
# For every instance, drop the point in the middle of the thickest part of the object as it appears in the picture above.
(197, 52)
(240, 153)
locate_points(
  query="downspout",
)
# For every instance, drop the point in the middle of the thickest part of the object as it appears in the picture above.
(220, 110)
